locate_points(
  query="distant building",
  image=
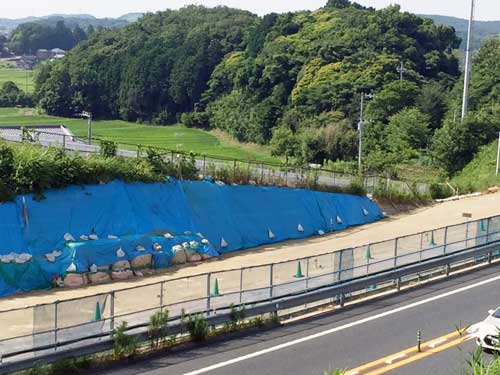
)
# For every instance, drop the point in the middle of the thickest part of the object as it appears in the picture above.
(43, 54)
(57, 53)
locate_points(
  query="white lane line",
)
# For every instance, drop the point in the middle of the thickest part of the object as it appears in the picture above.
(437, 343)
(390, 361)
(340, 328)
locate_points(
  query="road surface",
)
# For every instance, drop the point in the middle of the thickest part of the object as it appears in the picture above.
(354, 337)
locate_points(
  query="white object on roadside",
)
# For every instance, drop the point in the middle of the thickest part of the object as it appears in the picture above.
(68, 237)
(157, 247)
(168, 236)
(140, 248)
(111, 237)
(120, 253)
(71, 268)
(205, 241)
(365, 212)
(193, 244)
(188, 233)
(223, 243)
(57, 253)
(321, 232)
(177, 248)
(50, 257)
(84, 237)
(339, 220)
(300, 228)
(93, 268)
(185, 245)
(271, 234)
(93, 237)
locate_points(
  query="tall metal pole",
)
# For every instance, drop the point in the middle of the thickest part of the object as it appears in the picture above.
(498, 154)
(360, 130)
(465, 98)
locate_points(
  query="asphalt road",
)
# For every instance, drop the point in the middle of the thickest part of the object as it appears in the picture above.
(349, 338)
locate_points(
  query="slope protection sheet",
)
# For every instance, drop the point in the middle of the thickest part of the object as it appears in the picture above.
(126, 217)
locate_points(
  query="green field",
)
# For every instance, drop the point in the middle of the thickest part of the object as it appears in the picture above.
(22, 78)
(173, 137)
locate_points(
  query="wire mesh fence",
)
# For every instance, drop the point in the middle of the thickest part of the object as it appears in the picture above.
(49, 324)
(219, 168)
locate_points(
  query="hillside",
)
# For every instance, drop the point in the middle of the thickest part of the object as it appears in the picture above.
(482, 29)
(72, 20)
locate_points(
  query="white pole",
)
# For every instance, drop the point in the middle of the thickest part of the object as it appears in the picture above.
(467, 64)
(360, 130)
(498, 154)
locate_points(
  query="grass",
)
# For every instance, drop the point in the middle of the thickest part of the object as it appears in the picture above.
(479, 174)
(24, 79)
(175, 137)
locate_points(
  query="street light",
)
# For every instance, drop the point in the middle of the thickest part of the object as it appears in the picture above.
(360, 127)
(88, 116)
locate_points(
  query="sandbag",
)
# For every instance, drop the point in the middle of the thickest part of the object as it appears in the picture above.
(179, 257)
(99, 277)
(75, 280)
(142, 262)
(205, 256)
(121, 265)
(194, 258)
(122, 275)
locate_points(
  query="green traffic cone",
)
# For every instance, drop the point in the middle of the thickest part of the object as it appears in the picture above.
(368, 253)
(433, 241)
(97, 314)
(299, 274)
(216, 288)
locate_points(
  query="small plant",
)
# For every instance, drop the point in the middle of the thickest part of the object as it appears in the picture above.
(158, 328)
(108, 149)
(335, 372)
(125, 346)
(198, 327)
(258, 321)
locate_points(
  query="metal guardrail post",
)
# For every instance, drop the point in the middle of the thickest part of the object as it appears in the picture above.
(307, 274)
(445, 242)
(208, 293)
(56, 308)
(241, 285)
(112, 314)
(488, 230)
(271, 282)
(395, 252)
(341, 252)
(162, 287)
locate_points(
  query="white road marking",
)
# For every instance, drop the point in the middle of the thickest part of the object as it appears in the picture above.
(340, 328)
(396, 358)
(437, 343)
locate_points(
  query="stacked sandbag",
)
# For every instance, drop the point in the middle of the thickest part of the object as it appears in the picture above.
(142, 264)
(179, 255)
(99, 275)
(121, 270)
(75, 280)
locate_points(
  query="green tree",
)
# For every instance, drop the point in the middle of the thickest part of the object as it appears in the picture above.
(408, 131)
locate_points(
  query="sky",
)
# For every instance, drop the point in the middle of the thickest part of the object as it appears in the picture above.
(485, 9)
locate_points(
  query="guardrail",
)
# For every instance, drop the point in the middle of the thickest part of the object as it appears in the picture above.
(42, 330)
(263, 172)
(332, 293)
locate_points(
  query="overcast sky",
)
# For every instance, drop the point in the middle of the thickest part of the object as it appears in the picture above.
(485, 9)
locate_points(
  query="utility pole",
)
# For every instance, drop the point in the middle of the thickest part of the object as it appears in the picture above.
(88, 115)
(465, 99)
(498, 154)
(360, 128)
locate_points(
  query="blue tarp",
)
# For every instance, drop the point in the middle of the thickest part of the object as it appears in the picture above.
(138, 214)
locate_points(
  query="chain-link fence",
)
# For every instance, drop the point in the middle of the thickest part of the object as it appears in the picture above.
(94, 316)
(220, 168)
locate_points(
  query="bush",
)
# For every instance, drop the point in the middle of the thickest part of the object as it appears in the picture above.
(125, 346)
(197, 326)
(108, 149)
(440, 191)
(158, 328)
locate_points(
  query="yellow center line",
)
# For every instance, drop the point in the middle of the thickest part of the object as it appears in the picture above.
(409, 355)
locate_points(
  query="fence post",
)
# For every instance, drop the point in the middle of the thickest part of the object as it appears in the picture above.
(112, 313)
(340, 265)
(395, 252)
(445, 240)
(204, 164)
(234, 169)
(262, 173)
(162, 287)
(488, 230)
(56, 325)
(208, 293)
(241, 285)
(307, 274)
(172, 157)
(271, 282)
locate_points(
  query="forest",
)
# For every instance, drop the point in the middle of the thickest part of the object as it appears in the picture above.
(293, 81)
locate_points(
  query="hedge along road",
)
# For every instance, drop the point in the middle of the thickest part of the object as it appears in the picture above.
(423, 219)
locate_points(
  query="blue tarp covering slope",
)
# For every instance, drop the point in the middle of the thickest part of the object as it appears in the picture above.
(137, 216)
